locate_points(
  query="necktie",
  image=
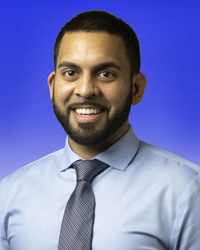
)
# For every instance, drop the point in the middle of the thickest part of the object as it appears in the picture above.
(77, 225)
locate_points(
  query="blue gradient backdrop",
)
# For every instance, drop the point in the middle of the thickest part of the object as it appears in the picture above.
(168, 116)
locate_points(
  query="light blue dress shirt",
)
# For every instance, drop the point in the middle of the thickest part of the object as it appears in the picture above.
(148, 199)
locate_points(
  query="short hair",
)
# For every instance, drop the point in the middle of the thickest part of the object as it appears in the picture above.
(96, 20)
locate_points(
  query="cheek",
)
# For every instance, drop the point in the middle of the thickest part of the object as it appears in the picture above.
(62, 92)
(116, 96)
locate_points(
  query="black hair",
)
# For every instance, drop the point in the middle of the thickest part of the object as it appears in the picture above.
(91, 21)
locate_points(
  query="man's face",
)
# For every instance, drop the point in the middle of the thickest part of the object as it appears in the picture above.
(91, 90)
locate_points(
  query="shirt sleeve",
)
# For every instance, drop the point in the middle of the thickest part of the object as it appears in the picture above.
(2, 247)
(185, 234)
(3, 241)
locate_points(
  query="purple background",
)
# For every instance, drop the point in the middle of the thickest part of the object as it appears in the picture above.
(168, 116)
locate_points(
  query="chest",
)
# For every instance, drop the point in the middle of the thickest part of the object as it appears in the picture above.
(126, 217)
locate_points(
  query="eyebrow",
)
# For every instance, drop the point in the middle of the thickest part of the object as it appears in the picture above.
(97, 67)
(67, 64)
(107, 65)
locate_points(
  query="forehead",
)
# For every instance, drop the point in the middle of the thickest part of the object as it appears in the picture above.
(91, 47)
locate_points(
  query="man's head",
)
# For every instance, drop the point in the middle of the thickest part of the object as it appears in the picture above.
(94, 84)
(93, 21)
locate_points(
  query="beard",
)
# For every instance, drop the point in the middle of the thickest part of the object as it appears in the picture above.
(88, 134)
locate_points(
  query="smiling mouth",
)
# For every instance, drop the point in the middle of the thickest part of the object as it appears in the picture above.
(87, 111)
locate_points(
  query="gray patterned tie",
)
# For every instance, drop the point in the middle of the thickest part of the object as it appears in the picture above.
(77, 225)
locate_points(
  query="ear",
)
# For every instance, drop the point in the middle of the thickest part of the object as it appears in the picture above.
(139, 82)
(51, 81)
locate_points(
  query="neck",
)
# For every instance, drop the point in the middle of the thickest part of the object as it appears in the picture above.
(88, 152)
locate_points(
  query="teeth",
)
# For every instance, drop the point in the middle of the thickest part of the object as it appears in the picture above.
(87, 111)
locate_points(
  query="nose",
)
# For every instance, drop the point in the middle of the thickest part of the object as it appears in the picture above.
(86, 87)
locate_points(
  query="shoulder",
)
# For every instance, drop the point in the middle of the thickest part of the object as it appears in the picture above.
(168, 177)
(165, 170)
(166, 158)
(30, 180)
(33, 170)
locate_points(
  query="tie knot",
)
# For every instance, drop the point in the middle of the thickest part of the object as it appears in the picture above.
(86, 170)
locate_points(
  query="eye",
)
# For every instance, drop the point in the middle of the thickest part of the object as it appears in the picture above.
(70, 73)
(106, 74)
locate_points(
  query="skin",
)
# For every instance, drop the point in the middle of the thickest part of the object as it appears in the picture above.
(93, 66)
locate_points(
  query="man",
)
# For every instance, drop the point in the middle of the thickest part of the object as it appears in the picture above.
(143, 197)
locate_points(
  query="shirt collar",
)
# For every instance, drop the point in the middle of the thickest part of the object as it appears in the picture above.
(118, 156)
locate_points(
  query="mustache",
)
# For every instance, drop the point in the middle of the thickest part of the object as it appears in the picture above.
(87, 103)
